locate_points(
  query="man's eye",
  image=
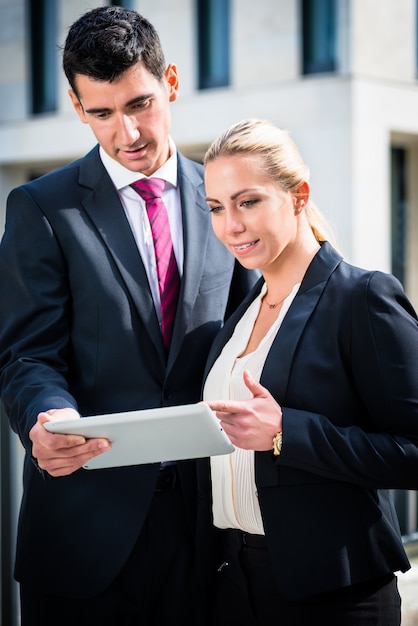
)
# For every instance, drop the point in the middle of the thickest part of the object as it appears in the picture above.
(142, 104)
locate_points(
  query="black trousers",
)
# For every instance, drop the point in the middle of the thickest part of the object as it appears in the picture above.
(157, 585)
(245, 594)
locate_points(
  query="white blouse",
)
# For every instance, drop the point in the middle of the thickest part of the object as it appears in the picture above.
(235, 501)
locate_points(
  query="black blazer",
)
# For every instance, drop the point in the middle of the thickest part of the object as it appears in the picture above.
(79, 329)
(344, 368)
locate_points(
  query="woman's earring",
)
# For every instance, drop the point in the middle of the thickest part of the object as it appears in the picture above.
(299, 207)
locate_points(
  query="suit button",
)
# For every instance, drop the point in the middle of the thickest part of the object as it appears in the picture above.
(167, 393)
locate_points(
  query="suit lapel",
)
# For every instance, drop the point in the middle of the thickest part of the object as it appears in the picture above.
(196, 225)
(104, 208)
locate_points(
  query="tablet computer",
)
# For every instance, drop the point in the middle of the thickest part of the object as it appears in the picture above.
(151, 435)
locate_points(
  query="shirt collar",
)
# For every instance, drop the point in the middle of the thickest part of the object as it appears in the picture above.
(122, 177)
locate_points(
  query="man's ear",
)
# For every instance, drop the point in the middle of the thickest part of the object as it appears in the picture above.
(172, 78)
(77, 106)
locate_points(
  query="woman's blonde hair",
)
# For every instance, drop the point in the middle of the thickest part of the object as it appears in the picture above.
(281, 160)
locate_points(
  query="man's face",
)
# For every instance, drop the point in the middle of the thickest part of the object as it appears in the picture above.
(130, 117)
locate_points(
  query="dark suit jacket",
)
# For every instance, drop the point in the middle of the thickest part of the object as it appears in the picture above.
(79, 329)
(344, 368)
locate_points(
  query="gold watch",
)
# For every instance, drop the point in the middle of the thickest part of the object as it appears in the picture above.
(277, 443)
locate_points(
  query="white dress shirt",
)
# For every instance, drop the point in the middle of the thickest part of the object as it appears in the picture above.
(235, 502)
(136, 213)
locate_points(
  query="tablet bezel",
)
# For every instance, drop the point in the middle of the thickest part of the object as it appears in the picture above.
(151, 435)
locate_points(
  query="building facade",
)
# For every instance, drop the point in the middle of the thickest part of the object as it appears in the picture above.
(340, 75)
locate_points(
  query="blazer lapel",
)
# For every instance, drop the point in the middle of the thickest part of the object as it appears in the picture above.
(285, 343)
(103, 206)
(277, 369)
(278, 365)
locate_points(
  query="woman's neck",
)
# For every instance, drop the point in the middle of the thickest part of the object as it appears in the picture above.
(288, 271)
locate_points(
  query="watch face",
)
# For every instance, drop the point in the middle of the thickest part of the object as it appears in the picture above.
(278, 443)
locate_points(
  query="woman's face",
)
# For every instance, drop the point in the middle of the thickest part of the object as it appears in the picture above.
(251, 215)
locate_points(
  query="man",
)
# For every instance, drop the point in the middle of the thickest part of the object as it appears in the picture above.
(81, 333)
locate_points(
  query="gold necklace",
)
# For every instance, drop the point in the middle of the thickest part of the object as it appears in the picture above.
(276, 304)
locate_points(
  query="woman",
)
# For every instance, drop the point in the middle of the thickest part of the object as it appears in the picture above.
(315, 380)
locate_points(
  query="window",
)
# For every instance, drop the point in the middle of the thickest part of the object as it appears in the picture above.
(406, 504)
(126, 4)
(213, 18)
(416, 37)
(398, 212)
(43, 55)
(318, 36)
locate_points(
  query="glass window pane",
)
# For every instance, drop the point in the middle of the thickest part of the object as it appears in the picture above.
(398, 212)
(318, 36)
(44, 55)
(213, 43)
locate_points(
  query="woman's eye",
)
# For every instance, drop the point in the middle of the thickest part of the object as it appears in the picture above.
(249, 203)
(215, 209)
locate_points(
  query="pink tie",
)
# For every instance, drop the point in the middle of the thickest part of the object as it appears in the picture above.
(151, 189)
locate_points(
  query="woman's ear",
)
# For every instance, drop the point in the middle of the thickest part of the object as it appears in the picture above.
(301, 197)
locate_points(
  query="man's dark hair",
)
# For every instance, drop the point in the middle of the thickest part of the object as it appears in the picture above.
(105, 42)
